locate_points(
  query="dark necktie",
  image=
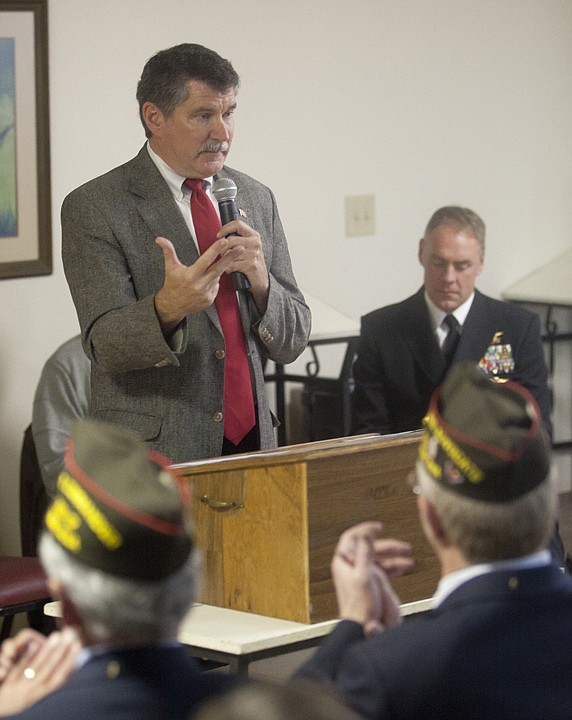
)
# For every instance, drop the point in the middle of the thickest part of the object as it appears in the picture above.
(452, 339)
(239, 417)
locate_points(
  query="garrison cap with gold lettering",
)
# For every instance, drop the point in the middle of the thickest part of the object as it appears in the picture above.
(118, 507)
(484, 440)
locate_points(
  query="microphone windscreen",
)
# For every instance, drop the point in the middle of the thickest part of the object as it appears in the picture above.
(224, 189)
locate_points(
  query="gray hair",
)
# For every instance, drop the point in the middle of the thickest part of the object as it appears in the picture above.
(464, 219)
(117, 609)
(487, 531)
(165, 77)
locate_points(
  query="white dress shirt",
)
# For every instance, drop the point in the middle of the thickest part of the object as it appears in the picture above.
(181, 194)
(440, 328)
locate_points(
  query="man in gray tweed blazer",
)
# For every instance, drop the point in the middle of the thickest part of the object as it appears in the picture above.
(143, 291)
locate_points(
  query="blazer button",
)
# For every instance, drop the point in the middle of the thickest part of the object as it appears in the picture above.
(113, 669)
(219, 354)
(217, 417)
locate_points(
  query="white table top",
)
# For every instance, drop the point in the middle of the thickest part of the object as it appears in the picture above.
(240, 633)
(549, 285)
(329, 323)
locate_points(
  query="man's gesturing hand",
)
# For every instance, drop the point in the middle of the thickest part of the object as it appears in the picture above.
(190, 288)
(251, 262)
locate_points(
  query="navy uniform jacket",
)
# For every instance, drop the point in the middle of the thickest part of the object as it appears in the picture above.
(498, 648)
(142, 683)
(399, 362)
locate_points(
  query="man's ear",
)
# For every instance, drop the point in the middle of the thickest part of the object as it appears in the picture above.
(431, 522)
(153, 118)
(480, 265)
(420, 251)
(69, 613)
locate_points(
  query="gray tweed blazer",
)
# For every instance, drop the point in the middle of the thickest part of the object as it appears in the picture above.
(169, 391)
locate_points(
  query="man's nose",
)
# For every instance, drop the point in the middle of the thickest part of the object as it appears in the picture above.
(450, 273)
(220, 129)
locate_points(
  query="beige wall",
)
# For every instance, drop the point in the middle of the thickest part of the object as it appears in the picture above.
(420, 102)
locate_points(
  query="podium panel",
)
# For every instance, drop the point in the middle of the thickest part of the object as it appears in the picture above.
(268, 522)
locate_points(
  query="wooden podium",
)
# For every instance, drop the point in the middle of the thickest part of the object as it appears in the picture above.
(268, 522)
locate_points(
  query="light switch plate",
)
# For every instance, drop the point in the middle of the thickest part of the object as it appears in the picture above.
(360, 215)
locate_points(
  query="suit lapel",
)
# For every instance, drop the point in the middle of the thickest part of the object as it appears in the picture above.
(476, 335)
(161, 214)
(419, 337)
(157, 207)
(241, 195)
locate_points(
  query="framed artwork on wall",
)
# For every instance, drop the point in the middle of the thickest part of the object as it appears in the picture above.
(25, 193)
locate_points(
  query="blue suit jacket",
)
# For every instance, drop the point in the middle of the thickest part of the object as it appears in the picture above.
(399, 362)
(498, 647)
(142, 683)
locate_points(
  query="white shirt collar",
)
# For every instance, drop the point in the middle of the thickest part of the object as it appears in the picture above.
(437, 315)
(449, 583)
(173, 179)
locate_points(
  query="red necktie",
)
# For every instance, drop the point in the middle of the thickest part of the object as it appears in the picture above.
(239, 417)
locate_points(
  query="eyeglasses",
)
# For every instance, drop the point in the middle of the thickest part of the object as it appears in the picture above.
(413, 484)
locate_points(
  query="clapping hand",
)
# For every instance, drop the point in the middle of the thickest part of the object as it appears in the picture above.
(361, 568)
(32, 665)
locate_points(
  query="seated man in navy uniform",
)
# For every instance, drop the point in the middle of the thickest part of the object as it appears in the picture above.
(406, 350)
(494, 645)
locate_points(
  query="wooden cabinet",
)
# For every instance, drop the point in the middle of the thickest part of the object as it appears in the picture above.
(268, 522)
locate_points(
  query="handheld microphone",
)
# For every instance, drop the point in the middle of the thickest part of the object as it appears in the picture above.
(224, 191)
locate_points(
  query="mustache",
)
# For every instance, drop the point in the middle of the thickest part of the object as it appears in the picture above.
(214, 146)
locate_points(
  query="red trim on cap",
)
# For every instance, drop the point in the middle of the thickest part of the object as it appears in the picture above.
(481, 444)
(161, 526)
(182, 484)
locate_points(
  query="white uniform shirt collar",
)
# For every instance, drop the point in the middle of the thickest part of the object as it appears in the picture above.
(449, 583)
(437, 315)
